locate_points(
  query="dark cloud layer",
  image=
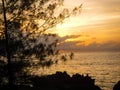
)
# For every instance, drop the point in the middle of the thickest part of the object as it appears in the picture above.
(78, 46)
(108, 46)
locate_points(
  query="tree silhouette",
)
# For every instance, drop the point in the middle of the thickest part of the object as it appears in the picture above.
(25, 23)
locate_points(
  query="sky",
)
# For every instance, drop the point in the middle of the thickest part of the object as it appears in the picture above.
(96, 28)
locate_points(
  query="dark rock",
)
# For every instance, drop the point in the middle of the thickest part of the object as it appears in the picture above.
(117, 86)
(57, 81)
(62, 81)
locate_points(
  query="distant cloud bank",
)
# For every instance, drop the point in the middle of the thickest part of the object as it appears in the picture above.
(94, 46)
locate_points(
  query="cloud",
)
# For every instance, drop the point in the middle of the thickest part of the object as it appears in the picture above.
(107, 46)
(101, 10)
(100, 20)
(68, 37)
(86, 45)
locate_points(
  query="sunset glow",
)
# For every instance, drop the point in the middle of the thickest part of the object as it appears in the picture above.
(98, 22)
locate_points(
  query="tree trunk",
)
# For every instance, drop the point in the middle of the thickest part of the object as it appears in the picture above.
(10, 76)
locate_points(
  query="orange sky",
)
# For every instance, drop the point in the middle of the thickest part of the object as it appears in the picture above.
(99, 22)
(98, 25)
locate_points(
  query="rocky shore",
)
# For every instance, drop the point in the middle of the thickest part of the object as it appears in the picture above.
(59, 81)
(63, 81)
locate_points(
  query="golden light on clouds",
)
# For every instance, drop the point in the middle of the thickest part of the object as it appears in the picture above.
(98, 25)
(98, 19)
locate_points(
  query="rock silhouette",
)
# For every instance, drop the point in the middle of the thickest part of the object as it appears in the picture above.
(63, 81)
(117, 86)
(57, 81)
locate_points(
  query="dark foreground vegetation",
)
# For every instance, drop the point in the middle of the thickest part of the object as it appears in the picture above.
(58, 81)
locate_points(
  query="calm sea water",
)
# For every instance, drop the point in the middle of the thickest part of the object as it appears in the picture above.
(104, 67)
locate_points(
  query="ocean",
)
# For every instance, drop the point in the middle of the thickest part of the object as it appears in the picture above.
(104, 67)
